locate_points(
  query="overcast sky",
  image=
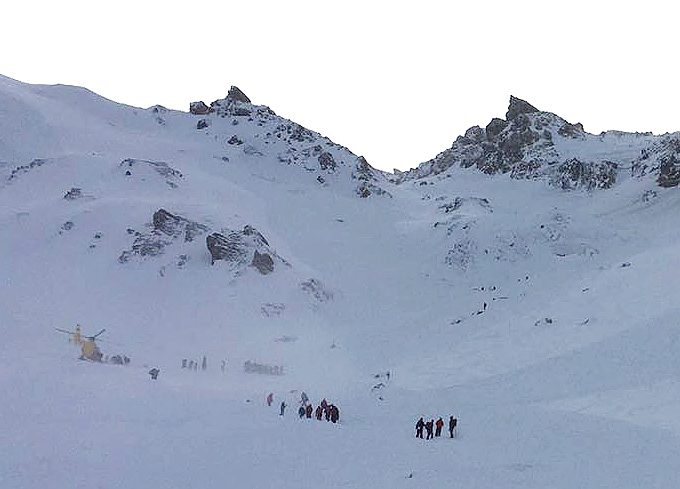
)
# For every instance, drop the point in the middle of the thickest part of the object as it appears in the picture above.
(393, 81)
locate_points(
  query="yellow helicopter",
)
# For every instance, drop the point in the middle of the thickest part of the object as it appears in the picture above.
(88, 347)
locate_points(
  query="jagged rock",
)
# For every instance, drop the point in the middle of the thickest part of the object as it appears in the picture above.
(260, 240)
(234, 140)
(202, 124)
(571, 130)
(669, 172)
(199, 108)
(517, 107)
(73, 194)
(263, 262)
(574, 173)
(172, 225)
(236, 94)
(495, 127)
(227, 248)
(326, 162)
(164, 229)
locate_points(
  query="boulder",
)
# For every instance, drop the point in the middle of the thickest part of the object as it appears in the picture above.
(237, 95)
(199, 108)
(263, 262)
(202, 124)
(326, 161)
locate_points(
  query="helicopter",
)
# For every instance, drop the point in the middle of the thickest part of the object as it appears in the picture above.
(88, 348)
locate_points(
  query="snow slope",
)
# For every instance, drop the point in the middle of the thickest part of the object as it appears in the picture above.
(567, 378)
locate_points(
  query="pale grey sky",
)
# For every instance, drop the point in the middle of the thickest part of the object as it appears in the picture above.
(394, 81)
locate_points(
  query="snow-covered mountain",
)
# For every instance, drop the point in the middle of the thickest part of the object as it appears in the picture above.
(523, 280)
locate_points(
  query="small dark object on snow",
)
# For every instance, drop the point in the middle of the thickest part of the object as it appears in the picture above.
(154, 373)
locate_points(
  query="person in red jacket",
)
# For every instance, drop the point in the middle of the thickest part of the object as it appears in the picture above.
(439, 425)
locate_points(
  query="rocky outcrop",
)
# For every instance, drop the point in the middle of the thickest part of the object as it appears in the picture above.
(165, 228)
(199, 108)
(262, 262)
(240, 249)
(368, 179)
(237, 95)
(662, 160)
(576, 174)
(176, 226)
(517, 107)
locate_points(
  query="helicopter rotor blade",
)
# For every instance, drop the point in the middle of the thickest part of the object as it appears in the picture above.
(64, 331)
(93, 337)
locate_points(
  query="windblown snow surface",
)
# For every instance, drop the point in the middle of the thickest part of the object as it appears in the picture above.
(570, 377)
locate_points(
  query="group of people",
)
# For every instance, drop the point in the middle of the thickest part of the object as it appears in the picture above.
(324, 410)
(435, 426)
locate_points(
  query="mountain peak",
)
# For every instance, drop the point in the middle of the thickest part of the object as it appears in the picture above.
(518, 106)
(235, 93)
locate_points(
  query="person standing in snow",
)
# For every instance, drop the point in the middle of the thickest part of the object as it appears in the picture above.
(301, 412)
(319, 413)
(270, 398)
(429, 426)
(439, 425)
(283, 408)
(452, 425)
(308, 411)
(304, 399)
(419, 427)
(335, 414)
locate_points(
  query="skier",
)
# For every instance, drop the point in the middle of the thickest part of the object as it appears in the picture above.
(439, 425)
(154, 373)
(308, 411)
(301, 412)
(452, 425)
(428, 426)
(283, 408)
(318, 413)
(419, 427)
(335, 414)
(270, 398)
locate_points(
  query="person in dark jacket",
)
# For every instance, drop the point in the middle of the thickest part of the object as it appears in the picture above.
(419, 427)
(301, 412)
(327, 412)
(429, 427)
(308, 411)
(452, 425)
(283, 408)
(319, 412)
(335, 414)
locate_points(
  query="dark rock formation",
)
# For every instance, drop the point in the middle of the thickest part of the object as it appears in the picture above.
(202, 124)
(237, 95)
(495, 127)
(669, 172)
(263, 262)
(326, 161)
(574, 174)
(234, 140)
(517, 107)
(199, 108)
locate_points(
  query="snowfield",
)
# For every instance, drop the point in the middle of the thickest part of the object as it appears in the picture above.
(545, 319)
